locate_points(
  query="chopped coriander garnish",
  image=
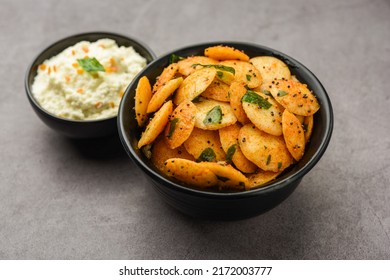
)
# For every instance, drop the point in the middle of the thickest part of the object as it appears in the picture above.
(218, 67)
(268, 159)
(282, 93)
(213, 116)
(173, 58)
(230, 153)
(172, 126)
(252, 97)
(267, 92)
(248, 77)
(147, 150)
(208, 154)
(223, 179)
(91, 65)
(197, 99)
(279, 165)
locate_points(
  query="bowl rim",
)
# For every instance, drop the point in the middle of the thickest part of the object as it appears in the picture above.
(62, 40)
(268, 188)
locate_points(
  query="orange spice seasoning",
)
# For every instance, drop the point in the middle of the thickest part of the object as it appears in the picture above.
(98, 105)
(85, 49)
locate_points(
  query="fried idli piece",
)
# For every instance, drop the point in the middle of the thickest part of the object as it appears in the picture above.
(271, 68)
(156, 125)
(225, 53)
(294, 96)
(293, 135)
(264, 112)
(218, 91)
(227, 175)
(181, 124)
(161, 152)
(213, 115)
(236, 91)
(143, 94)
(190, 172)
(308, 123)
(195, 84)
(261, 178)
(229, 140)
(204, 145)
(163, 93)
(244, 72)
(167, 74)
(266, 151)
(300, 118)
(188, 65)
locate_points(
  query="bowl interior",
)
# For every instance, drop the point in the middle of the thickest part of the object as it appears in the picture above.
(59, 46)
(323, 119)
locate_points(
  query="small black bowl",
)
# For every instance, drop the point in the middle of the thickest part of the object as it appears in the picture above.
(223, 205)
(75, 128)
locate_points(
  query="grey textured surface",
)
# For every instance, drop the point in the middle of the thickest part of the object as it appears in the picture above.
(65, 199)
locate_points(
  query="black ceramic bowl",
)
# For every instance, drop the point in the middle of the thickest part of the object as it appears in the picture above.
(233, 205)
(73, 128)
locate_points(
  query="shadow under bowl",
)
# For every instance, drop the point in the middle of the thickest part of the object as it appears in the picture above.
(75, 128)
(210, 204)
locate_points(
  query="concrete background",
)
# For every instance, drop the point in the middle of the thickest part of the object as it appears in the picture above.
(66, 199)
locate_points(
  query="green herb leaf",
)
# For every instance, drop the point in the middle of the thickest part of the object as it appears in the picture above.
(279, 165)
(252, 97)
(213, 116)
(147, 150)
(219, 74)
(173, 58)
(230, 153)
(218, 67)
(197, 99)
(172, 126)
(267, 92)
(223, 179)
(282, 93)
(248, 77)
(91, 65)
(208, 154)
(268, 159)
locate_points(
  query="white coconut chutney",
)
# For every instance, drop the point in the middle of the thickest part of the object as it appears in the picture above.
(69, 90)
